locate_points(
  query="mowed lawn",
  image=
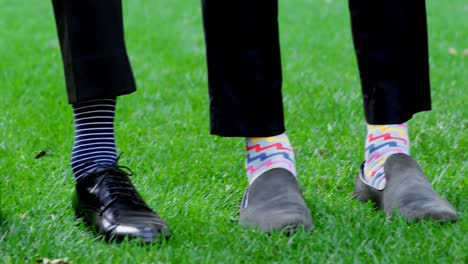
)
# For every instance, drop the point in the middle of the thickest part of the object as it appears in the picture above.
(195, 181)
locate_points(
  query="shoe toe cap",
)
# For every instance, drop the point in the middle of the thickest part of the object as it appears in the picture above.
(145, 232)
(270, 220)
(440, 211)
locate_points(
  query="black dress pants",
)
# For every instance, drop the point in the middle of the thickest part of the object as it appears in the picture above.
(243, 58)
(93, 49)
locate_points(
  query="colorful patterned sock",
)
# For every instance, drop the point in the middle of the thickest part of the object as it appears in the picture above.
(266, 153)
(94, 136)
(383, 141)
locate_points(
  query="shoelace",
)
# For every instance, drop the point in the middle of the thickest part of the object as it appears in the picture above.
(118, 184)
(116, 180)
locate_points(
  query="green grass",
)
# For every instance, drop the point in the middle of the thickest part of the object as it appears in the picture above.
(194, 180)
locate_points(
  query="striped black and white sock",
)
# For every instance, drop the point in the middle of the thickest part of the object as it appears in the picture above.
(94, 136)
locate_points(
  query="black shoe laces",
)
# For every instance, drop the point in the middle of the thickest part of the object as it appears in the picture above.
(115, 179)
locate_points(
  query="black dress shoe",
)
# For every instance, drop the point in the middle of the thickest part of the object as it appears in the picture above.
(407, 191)
(107, 201)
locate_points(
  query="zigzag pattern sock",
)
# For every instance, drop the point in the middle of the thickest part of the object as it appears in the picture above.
(94, 136)
(383, 141)
(266, 153)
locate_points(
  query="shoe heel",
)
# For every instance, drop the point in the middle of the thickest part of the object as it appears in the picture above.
(363, 192)
(75, 205)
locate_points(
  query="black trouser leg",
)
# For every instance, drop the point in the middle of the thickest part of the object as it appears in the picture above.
(390, 39)
(93, 49)
(244, 67)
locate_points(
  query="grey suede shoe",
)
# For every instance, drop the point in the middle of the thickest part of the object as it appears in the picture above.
(407, 191)
(274, 202)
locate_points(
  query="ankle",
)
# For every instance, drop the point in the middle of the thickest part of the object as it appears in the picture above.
(266, 153)
(382, 141)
